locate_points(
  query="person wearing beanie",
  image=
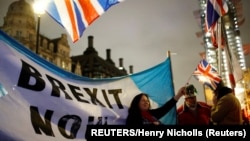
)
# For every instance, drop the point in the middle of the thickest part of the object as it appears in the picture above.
(227, 108)
(193, 112)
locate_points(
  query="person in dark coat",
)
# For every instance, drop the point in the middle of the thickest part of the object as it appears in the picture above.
(227, 108)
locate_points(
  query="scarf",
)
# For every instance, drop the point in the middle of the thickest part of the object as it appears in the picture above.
(147, 116)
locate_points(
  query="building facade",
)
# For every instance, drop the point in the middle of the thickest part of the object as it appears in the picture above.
(89, 64)
(20, 24)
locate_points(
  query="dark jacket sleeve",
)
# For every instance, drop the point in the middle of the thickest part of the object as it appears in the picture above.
(161, 111)
(134, 120)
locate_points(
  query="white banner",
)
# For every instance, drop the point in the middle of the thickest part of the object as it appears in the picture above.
(42, 102)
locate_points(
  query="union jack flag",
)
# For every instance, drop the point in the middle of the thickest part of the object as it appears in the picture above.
(207, 74)
(215, 9)
(76, 15)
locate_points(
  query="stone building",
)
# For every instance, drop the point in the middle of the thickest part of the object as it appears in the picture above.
(93, 66)
(20, 24)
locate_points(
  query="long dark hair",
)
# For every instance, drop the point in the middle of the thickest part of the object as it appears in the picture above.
(134, 106)
(134, 117)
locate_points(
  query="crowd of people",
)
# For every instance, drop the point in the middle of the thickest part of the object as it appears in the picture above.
(225, 110)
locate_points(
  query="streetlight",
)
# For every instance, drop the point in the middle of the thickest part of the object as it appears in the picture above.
(39, 10)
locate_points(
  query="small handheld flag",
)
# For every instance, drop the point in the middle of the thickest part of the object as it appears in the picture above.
(207, 74)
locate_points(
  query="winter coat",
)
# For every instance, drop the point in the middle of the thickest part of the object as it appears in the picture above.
(227, 111)
(187, 117)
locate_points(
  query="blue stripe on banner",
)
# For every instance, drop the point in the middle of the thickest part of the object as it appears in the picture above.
(3, 91)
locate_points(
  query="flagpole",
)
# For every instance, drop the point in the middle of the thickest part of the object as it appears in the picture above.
(229, 63)
(169, 56)
(228, 56)
(219, 44)
(189, 79)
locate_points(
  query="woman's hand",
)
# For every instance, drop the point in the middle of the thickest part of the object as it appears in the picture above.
(180, 93)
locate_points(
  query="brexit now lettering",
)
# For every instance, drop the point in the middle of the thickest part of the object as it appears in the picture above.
(40, 125)
(29, 72)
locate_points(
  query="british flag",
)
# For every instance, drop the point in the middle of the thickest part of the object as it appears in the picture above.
(215, 9)
(76, 15)
(207, 74)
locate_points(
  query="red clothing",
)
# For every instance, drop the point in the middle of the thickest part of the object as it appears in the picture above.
(188, 117)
